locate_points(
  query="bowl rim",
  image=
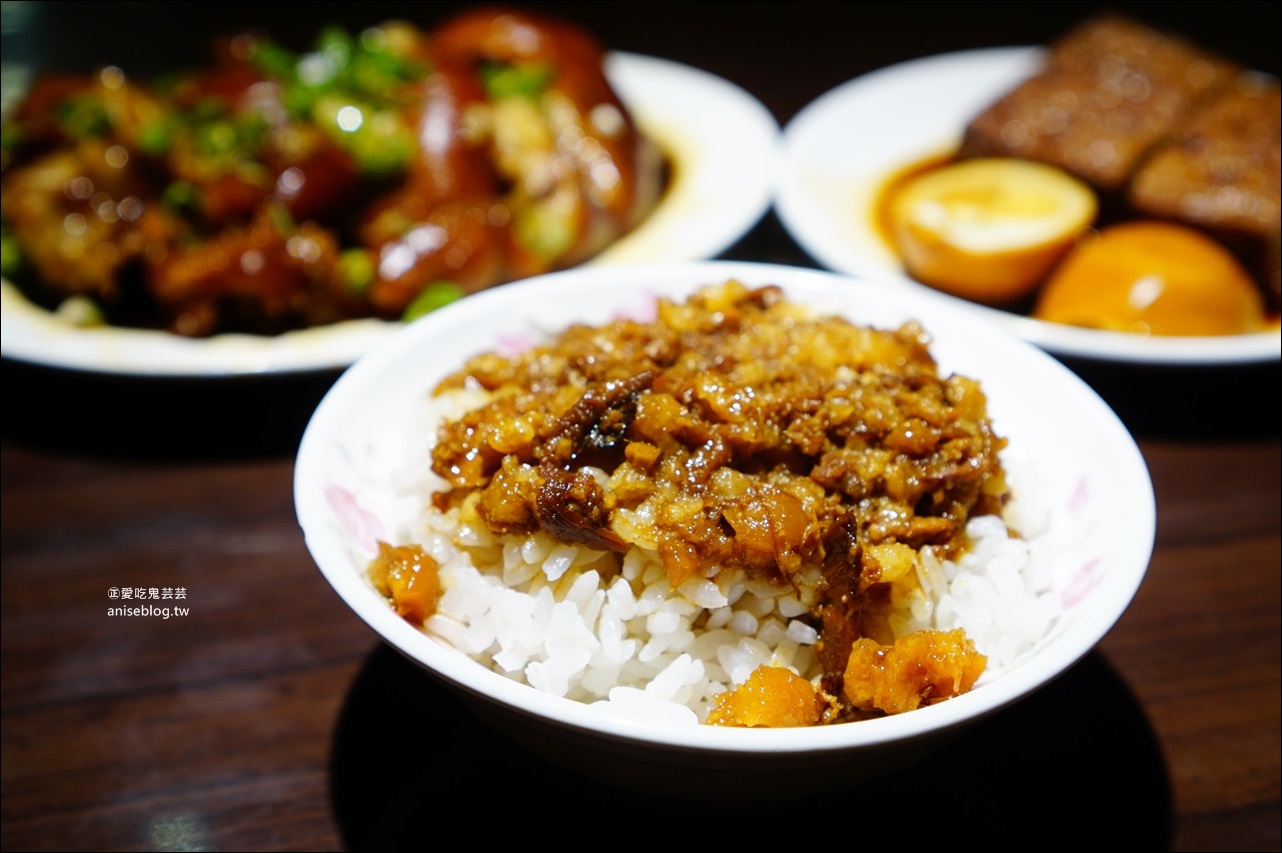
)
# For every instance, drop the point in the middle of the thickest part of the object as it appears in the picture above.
(1132, 484)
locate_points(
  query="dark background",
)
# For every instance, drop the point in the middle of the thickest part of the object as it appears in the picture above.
(787, 53)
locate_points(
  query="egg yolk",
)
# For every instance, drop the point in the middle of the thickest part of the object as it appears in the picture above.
(988, 230)
(1152, 278)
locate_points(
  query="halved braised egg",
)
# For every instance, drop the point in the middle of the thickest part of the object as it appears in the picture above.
(1152, 278)
(988, 229)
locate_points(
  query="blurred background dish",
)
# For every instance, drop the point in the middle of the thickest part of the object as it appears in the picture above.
(842, 150)
(723, 148)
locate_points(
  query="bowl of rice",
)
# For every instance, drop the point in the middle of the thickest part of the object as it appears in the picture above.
(659, 521)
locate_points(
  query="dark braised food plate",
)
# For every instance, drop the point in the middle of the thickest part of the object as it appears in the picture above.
(231, 244)
(835, 173)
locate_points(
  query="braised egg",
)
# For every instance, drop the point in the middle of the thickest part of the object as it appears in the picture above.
(1152, 278)
(988, 229)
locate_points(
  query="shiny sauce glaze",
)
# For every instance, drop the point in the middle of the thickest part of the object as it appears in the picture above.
(737, 431)
(380, 174)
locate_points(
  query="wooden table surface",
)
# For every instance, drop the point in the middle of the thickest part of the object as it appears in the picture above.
(268, 717)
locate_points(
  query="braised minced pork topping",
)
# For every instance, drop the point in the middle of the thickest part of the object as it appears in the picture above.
(736, 429)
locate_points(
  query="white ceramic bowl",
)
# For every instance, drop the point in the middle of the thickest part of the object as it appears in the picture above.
(1067, 452)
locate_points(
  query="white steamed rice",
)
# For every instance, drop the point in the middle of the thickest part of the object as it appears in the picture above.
(573, 622)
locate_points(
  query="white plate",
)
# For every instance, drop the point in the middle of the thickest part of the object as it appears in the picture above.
(726, 146)
(840, 149)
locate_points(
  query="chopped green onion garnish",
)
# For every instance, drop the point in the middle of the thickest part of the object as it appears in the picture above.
(11, 255)
(280, 218)
(83, 117)
(357, 269)
(274, 61)
(181, 195)
(156, 137)
(516, 81)
(546, 232)
(436, 295)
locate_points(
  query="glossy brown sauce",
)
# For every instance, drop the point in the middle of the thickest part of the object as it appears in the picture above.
(885, 196)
